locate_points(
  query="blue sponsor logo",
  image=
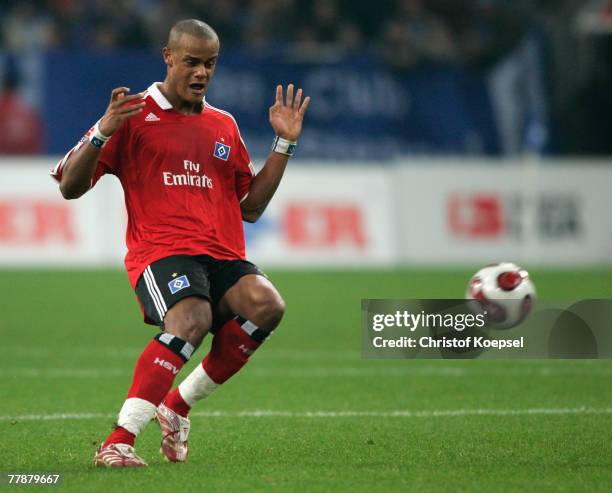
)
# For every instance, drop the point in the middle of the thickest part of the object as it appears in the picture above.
(222, 151)
(179, 283)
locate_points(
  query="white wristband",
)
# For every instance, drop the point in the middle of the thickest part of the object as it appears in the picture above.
(97, 138)
(284, 146)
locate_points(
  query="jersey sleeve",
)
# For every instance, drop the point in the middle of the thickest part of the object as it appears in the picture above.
(244, 169)
(108, 162)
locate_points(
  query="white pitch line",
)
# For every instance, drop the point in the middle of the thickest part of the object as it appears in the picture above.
(64, 372)
(338, 371)
(436, 413)
(427, 371)
(134, 352)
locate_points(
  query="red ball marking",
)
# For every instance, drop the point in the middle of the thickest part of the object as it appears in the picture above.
(509, 280)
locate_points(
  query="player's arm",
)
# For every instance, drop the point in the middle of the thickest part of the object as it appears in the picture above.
(79, 168)
(286, 117)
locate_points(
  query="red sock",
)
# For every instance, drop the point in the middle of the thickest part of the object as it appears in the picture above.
(120, 435)
(154, 372)
(230, 351)
(175, 401)
(231, 348)
(153, 376)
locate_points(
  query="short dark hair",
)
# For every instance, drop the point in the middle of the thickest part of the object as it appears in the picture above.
(193, 27)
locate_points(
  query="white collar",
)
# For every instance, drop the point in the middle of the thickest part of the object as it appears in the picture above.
(160, 99)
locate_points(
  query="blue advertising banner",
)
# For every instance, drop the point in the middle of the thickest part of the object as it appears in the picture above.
(359, 110)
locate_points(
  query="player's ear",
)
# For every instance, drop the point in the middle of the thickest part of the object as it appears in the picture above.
(167, 56)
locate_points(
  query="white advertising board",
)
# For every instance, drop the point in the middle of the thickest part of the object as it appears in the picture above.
(413, 213)
(38, 227)
(554, 214)
(327, 215)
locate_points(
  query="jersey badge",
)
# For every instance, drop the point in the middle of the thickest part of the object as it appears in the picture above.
(179, 283)
(222, 151)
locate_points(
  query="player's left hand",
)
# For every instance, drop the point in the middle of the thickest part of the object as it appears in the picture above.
(286, 116)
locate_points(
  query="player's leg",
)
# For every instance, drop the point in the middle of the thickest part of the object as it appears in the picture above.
(258, 308)
(252, 308)
(173, 293)
(240, 288)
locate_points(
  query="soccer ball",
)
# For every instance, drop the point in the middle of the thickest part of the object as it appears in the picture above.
(504, 292)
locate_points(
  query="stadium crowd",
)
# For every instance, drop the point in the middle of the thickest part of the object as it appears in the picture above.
(477, 35)
(405, 32)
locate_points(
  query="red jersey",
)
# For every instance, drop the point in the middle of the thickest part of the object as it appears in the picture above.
(183, 177)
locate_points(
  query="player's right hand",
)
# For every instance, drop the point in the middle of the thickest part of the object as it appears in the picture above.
(120, 108)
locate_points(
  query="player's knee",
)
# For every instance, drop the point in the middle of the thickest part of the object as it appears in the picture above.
(195, 330)
(269, 309)
(190, 319)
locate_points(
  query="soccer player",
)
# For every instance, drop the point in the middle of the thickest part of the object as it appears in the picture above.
(188, 183)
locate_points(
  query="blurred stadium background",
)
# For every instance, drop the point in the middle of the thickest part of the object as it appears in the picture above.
(442, 132)
(443, 135)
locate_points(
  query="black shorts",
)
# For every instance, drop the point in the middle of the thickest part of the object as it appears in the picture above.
(171, 279)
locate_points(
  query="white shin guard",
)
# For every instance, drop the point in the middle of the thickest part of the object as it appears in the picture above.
(197, 386)
(136, 414)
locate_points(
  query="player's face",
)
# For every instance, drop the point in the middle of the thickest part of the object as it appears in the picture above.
(191, 65)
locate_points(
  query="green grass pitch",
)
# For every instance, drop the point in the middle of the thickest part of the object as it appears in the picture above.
(70, 338)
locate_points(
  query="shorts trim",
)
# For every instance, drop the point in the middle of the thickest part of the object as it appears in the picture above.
(156, 296)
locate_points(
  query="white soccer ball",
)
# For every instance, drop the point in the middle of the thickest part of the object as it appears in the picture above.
(504, 291)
